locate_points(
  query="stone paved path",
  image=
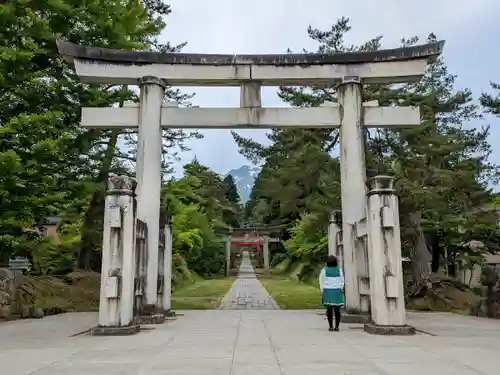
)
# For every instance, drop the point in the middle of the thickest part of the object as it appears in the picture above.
(247, 292)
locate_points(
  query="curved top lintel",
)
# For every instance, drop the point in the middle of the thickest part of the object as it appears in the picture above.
(71, 51)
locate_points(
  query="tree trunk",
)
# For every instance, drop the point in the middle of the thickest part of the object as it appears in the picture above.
(420, 257)
(433, 241)
(92, 222)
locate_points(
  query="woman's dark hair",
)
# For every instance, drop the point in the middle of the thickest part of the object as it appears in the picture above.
(332, 261)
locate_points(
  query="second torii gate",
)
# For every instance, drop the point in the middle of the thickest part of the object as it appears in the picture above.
(259, 237)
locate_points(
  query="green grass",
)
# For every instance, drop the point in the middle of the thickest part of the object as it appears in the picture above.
(201, 295)
(291, 294)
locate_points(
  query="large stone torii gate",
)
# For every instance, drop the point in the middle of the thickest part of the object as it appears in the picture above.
(153, 71)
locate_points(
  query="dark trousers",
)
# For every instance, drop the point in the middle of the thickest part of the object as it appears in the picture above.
(330, 310)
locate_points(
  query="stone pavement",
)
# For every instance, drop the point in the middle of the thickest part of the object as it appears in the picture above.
(267, 342)
(247, 293)
(249, 337)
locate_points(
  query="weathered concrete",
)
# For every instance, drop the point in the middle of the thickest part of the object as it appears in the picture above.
(327, 116)
(101, 65)
(116, 331)
(386, 267)
(250, 342)
(148, 172)
(118, 262)
(389, 330)
(247, 292)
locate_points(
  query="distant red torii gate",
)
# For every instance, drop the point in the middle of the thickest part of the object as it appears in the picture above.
(258, 237)
(257, 245)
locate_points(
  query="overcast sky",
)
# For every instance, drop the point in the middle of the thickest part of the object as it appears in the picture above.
(470, 28)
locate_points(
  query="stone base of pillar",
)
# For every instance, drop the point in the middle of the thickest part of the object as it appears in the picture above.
(150, 314)
(115, 330)
(150, 319)
(389, 330)
(169, 314)
(350, 318)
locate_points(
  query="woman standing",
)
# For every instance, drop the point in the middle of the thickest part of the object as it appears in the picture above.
(331, 284)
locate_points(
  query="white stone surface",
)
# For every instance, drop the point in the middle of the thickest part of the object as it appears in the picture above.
(214, 118)
(386, 267)
(353, 178)
(333, 245)
(116, 298)
(148, 170)
(248, 118)
(250, 342)
(128, 265)
(105, 72)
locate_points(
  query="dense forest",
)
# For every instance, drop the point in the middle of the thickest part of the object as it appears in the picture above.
(51, 166)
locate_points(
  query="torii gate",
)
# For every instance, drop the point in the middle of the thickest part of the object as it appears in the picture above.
(349, 71)
(258, 237)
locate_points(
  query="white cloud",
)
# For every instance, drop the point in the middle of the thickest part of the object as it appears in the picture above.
(259, 26)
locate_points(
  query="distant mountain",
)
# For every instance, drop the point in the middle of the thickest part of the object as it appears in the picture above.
(244, 178)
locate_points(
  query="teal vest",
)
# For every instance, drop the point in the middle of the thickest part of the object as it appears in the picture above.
(332, 271)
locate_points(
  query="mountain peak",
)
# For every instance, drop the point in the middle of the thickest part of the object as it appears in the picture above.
(244, 179)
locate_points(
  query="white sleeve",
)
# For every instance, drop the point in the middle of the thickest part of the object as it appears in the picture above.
(322, 279)
(342, 280)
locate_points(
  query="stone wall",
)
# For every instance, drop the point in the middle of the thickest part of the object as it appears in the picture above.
(9, 294)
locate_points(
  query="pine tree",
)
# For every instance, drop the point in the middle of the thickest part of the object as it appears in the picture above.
(231, 190)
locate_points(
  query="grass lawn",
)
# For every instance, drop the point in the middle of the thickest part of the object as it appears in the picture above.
(291, 294)
(202, 295)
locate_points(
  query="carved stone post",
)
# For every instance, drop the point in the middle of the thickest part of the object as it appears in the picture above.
(386, 267)
(334, 232)
(118, 266)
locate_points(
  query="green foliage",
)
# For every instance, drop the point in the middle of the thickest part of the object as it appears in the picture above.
(306, 241)
(197, 203)
(49, 165)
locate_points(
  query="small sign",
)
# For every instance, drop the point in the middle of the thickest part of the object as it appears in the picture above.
(115, 217)
(112, 287)
(19, 264)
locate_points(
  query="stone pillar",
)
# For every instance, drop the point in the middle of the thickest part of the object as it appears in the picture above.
(167, 289)
(149, 160)
(118, 260)
(334, 232)
(265, 249)
(386, 267)
(228, 255)
(353, 179)
(161, 270)
(128, 266)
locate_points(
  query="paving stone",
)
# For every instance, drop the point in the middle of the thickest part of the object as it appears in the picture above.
(247, 292)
